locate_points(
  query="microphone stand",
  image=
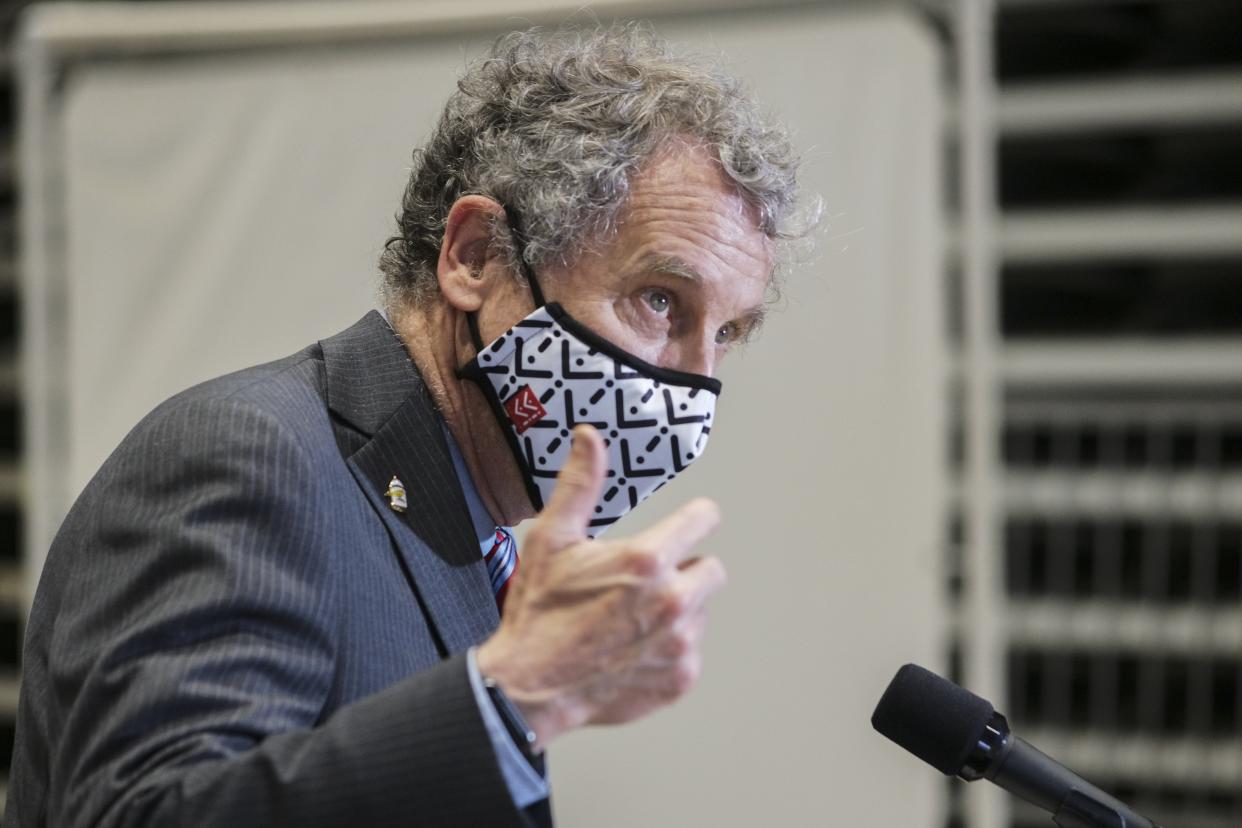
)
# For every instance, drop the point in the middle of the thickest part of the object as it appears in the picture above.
(1081, 811)
(1027, 773)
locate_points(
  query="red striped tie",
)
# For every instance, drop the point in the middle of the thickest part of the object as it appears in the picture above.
(502, 562)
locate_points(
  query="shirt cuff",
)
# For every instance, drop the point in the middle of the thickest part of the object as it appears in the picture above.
(526, 786)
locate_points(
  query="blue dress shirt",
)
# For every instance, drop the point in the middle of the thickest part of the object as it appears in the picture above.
(525, 784)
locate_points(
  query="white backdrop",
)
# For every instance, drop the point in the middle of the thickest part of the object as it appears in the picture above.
(223, 208)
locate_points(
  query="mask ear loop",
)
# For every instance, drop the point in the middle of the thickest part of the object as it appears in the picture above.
(472, 321)
(519, 240)
(474, 372)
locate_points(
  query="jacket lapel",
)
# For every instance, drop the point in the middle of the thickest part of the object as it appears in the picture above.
(374, 389)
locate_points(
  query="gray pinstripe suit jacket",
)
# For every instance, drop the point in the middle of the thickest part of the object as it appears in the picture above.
(234, 628)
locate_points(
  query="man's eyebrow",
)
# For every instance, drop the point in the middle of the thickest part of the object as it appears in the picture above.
(753, 319)
(671, 266)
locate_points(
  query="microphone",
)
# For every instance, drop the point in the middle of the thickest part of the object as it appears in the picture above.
(960, 734)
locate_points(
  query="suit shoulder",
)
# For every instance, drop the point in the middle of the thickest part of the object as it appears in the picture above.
(293, 381)
(279, 402)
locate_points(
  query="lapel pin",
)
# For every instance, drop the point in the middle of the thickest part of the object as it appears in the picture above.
(396, 494)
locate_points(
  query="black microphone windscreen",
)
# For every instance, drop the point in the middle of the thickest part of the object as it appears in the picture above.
(931, 717)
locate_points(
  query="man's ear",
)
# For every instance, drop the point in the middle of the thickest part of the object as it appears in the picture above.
(465, 251)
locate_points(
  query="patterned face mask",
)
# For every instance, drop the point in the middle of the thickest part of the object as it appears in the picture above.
(549, 372)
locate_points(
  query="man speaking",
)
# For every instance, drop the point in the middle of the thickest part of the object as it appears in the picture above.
(291, 596)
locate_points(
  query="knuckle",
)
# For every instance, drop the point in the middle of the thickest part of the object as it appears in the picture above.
(642, 561)
(680, 644)
(686, 675)
(573, 477)
(537, 535)
(671, 604)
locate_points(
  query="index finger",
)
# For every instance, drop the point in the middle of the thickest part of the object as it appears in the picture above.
(673, 538)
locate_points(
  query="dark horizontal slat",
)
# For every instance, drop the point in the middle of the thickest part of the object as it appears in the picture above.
(8, 730)
(1201, 166)
(1135, 560)
(1124, 692)
(12, 527)
(1103, 299)
(10, 640)
(1134, 445)
(10, 318)
(1141, 36)
(10, 428)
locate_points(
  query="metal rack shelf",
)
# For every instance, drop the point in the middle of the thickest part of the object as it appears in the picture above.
(1077, 235)
(12, 588)
(1182, 630)
(1179, 495)
(10, 687)
(10, 481)
(10, 374)
(1149, 233)
(1078, 106)
(1123, 361)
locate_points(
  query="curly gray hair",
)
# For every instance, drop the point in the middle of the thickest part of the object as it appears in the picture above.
(553, 127)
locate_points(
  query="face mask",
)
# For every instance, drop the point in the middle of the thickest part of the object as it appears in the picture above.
(549, 372)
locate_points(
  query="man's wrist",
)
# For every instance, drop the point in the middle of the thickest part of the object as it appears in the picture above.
(512, 718)
(538, 714)
(523, 771)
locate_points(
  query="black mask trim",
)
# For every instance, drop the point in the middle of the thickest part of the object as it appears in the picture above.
(672, 377)
(473, 372)
(519, 240)
(558, 312)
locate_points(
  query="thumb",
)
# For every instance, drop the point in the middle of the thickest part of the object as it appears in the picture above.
(568, 512)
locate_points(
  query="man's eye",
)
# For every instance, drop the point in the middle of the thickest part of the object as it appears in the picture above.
(726, 334)
(657, 301)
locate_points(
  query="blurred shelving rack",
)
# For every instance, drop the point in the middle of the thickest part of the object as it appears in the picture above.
(12, 524)
(1095, 522)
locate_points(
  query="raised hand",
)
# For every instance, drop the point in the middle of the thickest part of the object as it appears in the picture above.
(602, 631)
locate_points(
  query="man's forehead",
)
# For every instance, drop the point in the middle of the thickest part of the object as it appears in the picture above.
(679, 268)
(686, 220)
(687, 185)
(689, 170)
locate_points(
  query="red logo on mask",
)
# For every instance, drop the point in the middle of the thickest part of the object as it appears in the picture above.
(524, 409)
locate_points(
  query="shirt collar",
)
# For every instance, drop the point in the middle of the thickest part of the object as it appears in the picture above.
(484, 524)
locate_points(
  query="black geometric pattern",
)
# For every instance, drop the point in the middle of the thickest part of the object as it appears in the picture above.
(651, 428)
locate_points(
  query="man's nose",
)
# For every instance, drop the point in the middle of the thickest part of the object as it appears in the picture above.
(699, 356)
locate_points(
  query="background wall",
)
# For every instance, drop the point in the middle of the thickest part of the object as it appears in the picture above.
(222, 208)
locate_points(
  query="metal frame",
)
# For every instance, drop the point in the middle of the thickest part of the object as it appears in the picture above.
(81, 29)
(982, 599)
